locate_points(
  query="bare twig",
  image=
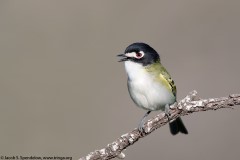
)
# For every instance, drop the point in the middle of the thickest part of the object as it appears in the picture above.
(186, 106)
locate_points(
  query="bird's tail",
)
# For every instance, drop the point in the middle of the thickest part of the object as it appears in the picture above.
(177, 126)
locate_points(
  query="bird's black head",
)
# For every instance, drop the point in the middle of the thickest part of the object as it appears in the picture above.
(140, 53)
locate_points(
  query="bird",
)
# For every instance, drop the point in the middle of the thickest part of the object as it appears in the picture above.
(149, 84)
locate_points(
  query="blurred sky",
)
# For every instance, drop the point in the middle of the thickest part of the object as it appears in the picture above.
(64, 93)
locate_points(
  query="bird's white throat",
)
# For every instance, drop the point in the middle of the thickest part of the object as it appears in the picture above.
(134, 70)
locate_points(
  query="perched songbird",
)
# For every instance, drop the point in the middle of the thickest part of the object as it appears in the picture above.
(149, 84)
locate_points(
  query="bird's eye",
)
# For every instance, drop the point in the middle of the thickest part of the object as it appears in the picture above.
(139, 55)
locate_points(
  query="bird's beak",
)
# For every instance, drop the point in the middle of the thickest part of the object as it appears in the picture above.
(124, 57)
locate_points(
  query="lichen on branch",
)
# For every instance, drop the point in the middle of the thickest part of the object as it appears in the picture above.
(188, 105)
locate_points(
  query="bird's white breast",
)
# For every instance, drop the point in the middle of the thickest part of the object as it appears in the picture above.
(144, 90)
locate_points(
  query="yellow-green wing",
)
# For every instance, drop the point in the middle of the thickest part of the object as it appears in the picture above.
(168, 81)
(162, 75)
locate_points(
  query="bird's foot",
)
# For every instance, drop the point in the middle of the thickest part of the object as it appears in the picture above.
(141, 126)
(167, 111)
(142, 122)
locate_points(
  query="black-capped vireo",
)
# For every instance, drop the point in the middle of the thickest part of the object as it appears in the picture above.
(149, 84)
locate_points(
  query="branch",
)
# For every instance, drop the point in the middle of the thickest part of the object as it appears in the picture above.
(186, 106)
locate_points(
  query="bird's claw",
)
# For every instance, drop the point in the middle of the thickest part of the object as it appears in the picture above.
(167, 112)
(141, 126)
(142, 122)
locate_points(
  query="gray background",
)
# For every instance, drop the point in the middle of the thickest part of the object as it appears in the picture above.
(63, 92)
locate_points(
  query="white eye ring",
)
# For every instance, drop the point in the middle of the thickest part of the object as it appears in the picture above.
(139, 55)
